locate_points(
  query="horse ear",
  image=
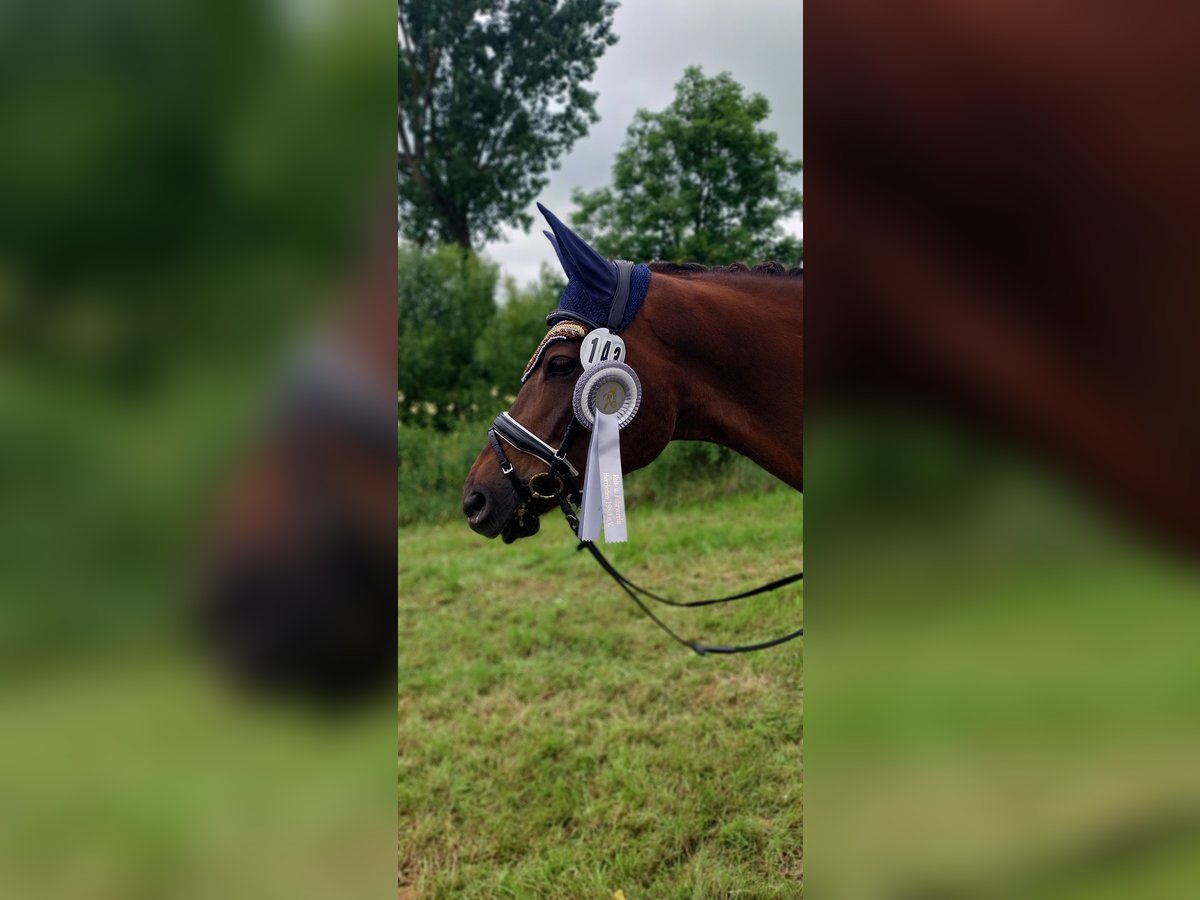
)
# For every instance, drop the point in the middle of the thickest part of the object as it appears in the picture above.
(595, 274)
(562, 260)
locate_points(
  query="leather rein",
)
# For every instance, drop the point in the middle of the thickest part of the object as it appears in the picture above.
(560, 483)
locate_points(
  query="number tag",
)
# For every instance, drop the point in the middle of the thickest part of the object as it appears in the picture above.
(599, 346)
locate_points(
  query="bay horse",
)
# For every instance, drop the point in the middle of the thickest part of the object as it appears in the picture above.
(719, 353)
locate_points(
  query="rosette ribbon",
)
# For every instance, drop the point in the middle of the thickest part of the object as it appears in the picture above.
(606, 399)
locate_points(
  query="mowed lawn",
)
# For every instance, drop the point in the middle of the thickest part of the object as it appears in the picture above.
(553, 742)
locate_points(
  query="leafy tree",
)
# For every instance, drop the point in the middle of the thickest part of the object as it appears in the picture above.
(519, 325)
(459, 355)
(699, 181)
(491, 94)
(446, 301)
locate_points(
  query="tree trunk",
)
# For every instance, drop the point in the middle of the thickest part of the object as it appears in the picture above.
(456, 228)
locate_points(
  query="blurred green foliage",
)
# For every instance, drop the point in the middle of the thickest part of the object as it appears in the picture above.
(177, 179)
(432, 468)
(460, 358)
(700, 181)
(520, 323)
(185, 187)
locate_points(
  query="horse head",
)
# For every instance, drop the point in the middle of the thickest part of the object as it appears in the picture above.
(599, 293)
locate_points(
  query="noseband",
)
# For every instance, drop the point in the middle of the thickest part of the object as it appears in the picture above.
(560, 483)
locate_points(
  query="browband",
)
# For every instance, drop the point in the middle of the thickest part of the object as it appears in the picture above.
(563, 331)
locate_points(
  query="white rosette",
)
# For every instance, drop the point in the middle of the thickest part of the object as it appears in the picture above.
(607, 397)
(590, 393)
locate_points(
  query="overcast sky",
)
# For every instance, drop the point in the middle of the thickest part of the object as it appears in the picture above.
(757, 41)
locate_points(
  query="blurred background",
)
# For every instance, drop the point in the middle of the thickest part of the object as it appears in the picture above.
(1002, 450)
(191, 194)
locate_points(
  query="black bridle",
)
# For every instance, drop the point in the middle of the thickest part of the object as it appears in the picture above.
(560, 483)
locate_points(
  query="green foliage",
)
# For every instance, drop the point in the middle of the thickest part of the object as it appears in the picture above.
(504, 351)
(432, 468)
(182, 185)
(446, 301)
(491, 96)
(699, 181)
(460, 357)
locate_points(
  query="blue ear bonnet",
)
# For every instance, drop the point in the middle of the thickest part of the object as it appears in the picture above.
(576, 304)
(599, 293)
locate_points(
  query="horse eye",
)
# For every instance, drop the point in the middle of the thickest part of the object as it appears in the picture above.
(560, 365)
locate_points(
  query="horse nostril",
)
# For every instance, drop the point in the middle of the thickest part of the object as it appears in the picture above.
(474, 505)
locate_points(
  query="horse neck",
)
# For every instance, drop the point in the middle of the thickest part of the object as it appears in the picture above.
(732, 352)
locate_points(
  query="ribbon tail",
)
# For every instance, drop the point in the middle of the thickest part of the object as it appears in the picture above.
(592, 513)
(606, 438)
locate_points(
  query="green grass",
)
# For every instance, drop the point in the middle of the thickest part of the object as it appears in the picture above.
(554, 743)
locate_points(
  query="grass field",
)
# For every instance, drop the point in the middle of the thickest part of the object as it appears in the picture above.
(554, 743)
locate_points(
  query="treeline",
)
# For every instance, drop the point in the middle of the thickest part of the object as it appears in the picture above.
(460, 358)
(460, 352)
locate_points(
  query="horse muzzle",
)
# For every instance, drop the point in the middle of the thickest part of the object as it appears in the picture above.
(485, 511)
(495, 513)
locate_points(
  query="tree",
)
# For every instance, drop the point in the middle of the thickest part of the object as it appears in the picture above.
(504, 349)
(491, 95)
(699, 181)
(446, 301)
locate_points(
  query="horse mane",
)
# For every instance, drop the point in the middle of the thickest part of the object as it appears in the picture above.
(770, 267)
